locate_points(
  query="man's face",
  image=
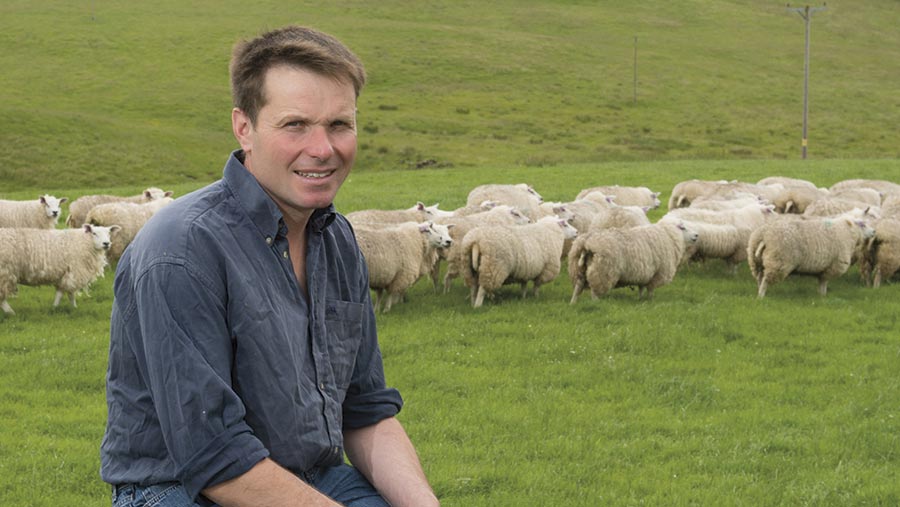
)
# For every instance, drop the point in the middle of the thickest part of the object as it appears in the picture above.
(303, 142)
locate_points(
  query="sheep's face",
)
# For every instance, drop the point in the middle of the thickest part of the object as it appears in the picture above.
(569, 232)
(519, 218)
(52, 205)
(438, 235)
(100, 235)
(434, 211)
(690, 236)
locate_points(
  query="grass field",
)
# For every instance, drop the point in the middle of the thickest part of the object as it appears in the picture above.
(703, 396)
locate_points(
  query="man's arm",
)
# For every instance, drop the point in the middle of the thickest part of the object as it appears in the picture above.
(385, 455)
(267, 485)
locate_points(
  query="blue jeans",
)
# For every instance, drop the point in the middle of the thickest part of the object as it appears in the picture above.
(344, 484)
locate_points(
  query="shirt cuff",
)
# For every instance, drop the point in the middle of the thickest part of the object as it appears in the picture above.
(229, 455)
(367, 409)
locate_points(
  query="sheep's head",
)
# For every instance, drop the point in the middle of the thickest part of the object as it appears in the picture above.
(690, 236)
(569, 232)
(100, 235)
(52, 205)
(153, 194)
(438, 235)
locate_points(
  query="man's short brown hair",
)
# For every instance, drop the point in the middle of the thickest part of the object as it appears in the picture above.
(294, 46)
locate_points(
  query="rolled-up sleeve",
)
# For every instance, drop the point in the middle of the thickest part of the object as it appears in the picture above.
(186, 353)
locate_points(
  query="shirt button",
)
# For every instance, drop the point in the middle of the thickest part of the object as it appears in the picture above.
(322, 386)
(285, 254)
(269, 240)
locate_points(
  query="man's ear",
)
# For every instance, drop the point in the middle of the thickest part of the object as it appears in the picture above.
(241, 126)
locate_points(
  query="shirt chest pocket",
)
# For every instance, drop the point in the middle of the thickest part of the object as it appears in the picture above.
(343, 324)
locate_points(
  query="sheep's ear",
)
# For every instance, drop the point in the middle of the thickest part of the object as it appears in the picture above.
(147, 194)
(43, 199)
(424, 226)
(646, 209)
(87, 228)
(168, 194)
(63, 200)
(450, 226)
(114, 228)
(420, 206)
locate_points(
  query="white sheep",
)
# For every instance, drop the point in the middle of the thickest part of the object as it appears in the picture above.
(885, 187)
(881, 256)
(499, 215)
(647, 257)
(716, 241)
(80, 207)
(514, 254)
(397, 256)
(891, 207)
(417, 213)
(626, 196)
(619, 216)
(795, 199)
(833, 207)
(129, 216)
(821, 247)
(687, 191)
(521, 196)
(787, 182)
(39, 214)
(69, 259)
(864, 196)
(716, 204)
(751, 216)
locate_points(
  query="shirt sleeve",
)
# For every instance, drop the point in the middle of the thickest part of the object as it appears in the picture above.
(368, 399)
(185, 349)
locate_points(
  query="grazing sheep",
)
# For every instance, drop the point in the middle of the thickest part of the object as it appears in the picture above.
(68, 259)
(715, 204)
(417, 213)
(521, 196)
(885, 187)
(619, 216)
(787, 182)
(80, 207)
(129, 216)
(716, 241)
(646, 256)
(891, 207)
(881, 256)
(40, 214)
(398, 256)
(833, 207)
(751, 216)
(626, 196)
(684, 193)
(498, 215)
(820, 247)
(864, 196)
(503, 254)
(795, 199)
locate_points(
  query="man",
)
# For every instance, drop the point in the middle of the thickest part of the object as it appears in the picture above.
(243, 359)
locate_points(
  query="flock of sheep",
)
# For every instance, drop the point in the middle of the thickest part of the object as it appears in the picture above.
(507, 234)
(34, 252)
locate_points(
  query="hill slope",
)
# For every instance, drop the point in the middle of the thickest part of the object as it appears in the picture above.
(121, 93)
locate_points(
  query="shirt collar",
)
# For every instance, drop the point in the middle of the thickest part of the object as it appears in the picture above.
(261, 209)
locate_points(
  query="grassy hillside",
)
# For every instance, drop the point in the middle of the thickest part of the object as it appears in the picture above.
(101, 94)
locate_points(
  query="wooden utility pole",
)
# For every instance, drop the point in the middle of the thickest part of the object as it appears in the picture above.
(806, 13)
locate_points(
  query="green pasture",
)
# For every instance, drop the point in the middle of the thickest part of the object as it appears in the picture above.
(703, 396)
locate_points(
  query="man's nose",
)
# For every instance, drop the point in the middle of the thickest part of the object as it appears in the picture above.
(319, 144)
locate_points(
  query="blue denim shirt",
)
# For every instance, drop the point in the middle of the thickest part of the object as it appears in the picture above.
(217, 359)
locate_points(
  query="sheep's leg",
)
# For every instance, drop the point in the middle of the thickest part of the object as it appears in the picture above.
(823, 286)
(579, 286)
(436, 275)
(763, 285)
(388, 301)
(876, 281)
(479, 299)
(448, 280)
(6, 308)
(72, 299)
(58, 297)
(524, 286)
